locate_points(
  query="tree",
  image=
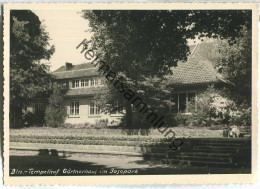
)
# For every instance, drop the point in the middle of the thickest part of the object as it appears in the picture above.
(235, 64)
(56, 113)
(146, 44)
(137, 105)
(28, 47)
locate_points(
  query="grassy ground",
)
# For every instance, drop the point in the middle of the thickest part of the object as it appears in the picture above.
(199, 132)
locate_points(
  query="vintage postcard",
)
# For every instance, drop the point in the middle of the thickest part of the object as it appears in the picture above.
(128, 93)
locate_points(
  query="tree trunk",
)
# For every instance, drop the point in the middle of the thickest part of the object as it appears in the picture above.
(16, 117)
(129, 116)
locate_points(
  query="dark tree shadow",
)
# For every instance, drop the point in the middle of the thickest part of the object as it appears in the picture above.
(202, 153)
(50, 160)
(156, 157)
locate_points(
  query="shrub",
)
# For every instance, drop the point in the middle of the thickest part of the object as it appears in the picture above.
(113, 141)
(241, 116)
(67, 125)
(186, 119)
(87, 124)
(74, 125)
(214, 109)
(170, 120)
(217, 127)
(211, 108)
(56, 113)
(39, 118)
(34, 119)
(28, 119)
(102, 123)
(139, 121)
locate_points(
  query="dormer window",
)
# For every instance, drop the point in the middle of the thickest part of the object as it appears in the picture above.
(80, 83)
(75, 83)
(84, 82)
(94, 81)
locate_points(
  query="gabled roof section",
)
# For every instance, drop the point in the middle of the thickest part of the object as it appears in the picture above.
(86, 91)
(77, 71)
(196, 70)
(199, 68)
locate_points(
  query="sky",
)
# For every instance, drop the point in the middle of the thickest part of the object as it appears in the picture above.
(66, 30)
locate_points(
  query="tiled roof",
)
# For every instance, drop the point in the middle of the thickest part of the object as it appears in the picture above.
(196, 70)
(76, 67)
(77, 71)
(86, 91)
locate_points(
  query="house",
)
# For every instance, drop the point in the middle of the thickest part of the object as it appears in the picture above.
(189, 79)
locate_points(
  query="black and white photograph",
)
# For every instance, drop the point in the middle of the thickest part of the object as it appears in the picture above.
(101, 91)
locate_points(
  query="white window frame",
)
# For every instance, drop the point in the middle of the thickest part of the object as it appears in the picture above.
(92, 83)
(75, 83)
(82, 83)
(96, 109)
(86, 82)
(74, 105)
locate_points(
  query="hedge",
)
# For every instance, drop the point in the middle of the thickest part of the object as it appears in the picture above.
(88, 142)
(112, 138)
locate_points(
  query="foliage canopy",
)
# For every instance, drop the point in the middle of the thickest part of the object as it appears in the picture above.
(29, 44)
(145, 44)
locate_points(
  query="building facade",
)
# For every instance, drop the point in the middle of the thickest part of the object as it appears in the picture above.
(189, 79)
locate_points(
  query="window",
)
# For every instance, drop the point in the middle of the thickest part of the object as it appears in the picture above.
(84, 82)
(38, 107)
(94, 81)
(75, 83)
(94, 108)
(181, 101)
(191, 99)
(174, 99)
(74, 107)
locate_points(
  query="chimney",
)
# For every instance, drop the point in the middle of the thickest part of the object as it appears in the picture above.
(68, 66)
